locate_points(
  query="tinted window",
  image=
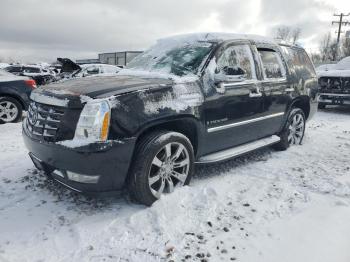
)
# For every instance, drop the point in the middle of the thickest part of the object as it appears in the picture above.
(272, 64)
(31, 70)
(13, 69)
(237, 60)
(298, 61)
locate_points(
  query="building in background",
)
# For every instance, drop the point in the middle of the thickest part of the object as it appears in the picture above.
(116, 58)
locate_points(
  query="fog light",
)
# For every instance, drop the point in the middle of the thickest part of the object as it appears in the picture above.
(82, 178)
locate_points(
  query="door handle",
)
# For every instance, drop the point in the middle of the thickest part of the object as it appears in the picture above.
(289, 89)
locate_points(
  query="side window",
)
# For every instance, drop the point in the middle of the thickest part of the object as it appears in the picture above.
(237, 60)
(92, 70)
(272, 64)
(297, 59)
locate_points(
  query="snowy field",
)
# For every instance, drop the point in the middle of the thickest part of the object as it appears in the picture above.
(265, 206)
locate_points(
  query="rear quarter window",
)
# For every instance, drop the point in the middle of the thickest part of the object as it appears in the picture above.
(298, 62)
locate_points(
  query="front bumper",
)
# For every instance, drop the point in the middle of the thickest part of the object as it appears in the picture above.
(110, 161)
(334, 99)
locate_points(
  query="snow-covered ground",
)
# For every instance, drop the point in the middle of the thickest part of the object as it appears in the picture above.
(265, 206)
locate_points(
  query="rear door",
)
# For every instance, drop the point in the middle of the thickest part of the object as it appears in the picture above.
(276, 88)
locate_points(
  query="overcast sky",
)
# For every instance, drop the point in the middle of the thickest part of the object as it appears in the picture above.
(41, 30)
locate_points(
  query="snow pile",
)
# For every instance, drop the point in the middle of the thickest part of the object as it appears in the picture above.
(267, 206)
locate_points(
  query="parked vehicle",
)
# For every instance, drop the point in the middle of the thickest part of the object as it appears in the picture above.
(324, 67)
(14, 96)
(199, 98)
(41, 75)
(334, 84)
(72, 70)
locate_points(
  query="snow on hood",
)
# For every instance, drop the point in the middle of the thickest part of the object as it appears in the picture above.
(334, 73)
(216, 37)
(343, 64)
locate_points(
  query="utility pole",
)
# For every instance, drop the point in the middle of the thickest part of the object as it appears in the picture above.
(340, 23)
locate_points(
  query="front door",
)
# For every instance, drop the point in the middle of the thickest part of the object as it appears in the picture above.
(231, 109)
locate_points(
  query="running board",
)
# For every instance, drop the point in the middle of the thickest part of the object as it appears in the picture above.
(238, 150)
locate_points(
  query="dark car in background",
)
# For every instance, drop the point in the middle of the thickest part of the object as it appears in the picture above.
(14, 96)
(41, 75)
(199, 98)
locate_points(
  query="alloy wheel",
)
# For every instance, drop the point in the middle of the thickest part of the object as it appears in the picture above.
(8, 111)
(169, 169)
(296, 129)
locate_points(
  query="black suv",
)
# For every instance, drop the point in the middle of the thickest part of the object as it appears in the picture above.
(189, 99)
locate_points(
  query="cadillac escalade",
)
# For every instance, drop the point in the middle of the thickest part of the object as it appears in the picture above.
(189, 99)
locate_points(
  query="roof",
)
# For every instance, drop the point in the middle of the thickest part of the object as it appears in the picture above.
(217, 37)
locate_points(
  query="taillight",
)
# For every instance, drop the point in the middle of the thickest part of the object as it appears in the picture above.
(31, 83)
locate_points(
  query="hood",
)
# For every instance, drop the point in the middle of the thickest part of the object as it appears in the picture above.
(68, 66)
(102, 87)
(334, 73)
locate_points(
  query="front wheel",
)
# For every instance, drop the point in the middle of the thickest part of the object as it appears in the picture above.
(293, 132)
(10, 110)
(163, 161)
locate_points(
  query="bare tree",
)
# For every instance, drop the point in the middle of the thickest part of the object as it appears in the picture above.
(295, 34)
(325, 47)
(283, 33)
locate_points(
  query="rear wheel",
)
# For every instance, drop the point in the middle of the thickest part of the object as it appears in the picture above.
(293, 132)
(10, 110)
(163, 161)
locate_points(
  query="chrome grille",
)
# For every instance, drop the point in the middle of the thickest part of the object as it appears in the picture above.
(43, 121)
(335, 84)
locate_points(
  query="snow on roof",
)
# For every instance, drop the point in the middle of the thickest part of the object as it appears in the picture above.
(216, 37)
(7, 77)
(3, 65)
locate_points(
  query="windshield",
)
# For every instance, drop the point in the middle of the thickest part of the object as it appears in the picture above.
(181, 59)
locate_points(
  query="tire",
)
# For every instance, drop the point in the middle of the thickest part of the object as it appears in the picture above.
(152, 172)
(11, 110)
(293, 131)
(321, 106)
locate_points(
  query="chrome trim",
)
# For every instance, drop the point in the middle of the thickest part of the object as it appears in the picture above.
(48, 100)
(218, 128)
(239, 150)
(72, 188)
(333, 94)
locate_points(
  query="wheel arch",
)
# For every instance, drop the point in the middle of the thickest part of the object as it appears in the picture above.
(186, 125)
(18, 98)
(302, 102)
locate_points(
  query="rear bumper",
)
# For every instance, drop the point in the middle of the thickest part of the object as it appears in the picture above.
(109, 161)
(334, 99)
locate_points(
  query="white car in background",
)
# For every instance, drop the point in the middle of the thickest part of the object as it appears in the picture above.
(334, 84)
(97, 70)
(324, 67)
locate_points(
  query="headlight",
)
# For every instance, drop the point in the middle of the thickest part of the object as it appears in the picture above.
(94, 120)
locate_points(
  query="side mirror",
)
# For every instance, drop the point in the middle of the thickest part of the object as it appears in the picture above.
(228, 75)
